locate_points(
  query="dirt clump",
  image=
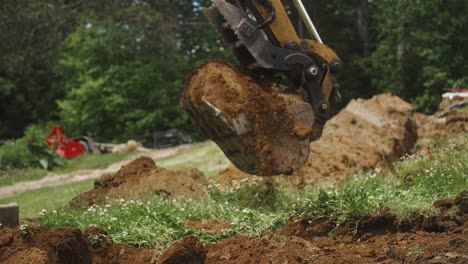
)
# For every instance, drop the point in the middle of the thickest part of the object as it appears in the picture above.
(187, 250)
(243, 249)
(456, 123)
(232, 174)
(141, 178)
(445, 125)
(66, 245)
(261, 130)
(40, 245)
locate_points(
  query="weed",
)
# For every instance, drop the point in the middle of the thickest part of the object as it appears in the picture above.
(415, 251)
(99, 240)
(25, 230)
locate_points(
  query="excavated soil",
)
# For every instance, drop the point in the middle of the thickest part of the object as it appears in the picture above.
(380, 238)
(66, 245)
(261, 130)
(366, 134)
(141, 178)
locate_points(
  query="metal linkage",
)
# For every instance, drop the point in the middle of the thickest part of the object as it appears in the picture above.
(307, 21)
(272, 17)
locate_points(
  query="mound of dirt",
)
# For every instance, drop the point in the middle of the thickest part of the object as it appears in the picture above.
(188, 250)
(367, 133)
(446, 126)
(142, 177)
(261, 130)
(456, 123)
(66, 245)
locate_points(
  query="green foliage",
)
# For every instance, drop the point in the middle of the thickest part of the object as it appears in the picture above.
(29, 151)
(16, 154)
(32, 32)
(122, 79)
(12, 175)
(197, 38)
(420, 49)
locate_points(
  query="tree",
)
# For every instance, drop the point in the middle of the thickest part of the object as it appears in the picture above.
(196, 37)
(31, 32)
(123, 75)
(421, 49)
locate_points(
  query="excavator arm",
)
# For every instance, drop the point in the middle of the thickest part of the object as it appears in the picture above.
(262, 36)
(264, 114)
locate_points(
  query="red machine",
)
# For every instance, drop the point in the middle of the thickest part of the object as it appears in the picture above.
(68, 148)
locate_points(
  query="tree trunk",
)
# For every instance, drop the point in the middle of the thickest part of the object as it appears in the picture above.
(401, 48)
(363, 24)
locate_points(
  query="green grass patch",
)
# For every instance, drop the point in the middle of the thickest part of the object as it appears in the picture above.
(92, 161)
(87, 161)
(31, 203)
(11, 176)
(257, 208)
(207, 157)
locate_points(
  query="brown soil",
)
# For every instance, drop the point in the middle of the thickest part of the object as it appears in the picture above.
(456, 123)
(379, 238)
(260, 130)
(366, 134)
(142, 177)
(187, 250)
(66, 245)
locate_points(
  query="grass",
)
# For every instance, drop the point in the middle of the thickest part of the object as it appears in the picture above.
(31, 203)
(92, 161)
(87, 161)
(12, 176)
(206, 157)
(257, 208)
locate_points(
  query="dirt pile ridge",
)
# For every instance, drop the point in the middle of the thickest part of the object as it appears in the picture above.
(380, 238)
(367, 133)
(142, 177)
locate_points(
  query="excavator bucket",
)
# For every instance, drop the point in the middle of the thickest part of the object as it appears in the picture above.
(260, 130)
(265, 116)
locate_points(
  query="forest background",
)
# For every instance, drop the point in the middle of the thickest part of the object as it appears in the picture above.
(115, 69)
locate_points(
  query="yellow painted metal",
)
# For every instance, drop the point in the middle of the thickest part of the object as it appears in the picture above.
(282, 28)
(283, 32)
(329, 56)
